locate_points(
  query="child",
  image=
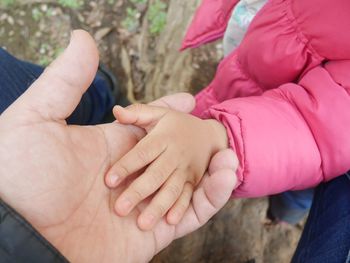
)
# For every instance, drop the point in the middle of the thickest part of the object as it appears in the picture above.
(280, 100)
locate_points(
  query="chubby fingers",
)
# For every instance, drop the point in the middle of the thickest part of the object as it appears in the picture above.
(207, 200)
(183, 102)
(178, 210)
(162, 201)
(212, 193)
(141, 115)
(144, 152)
(146, 184)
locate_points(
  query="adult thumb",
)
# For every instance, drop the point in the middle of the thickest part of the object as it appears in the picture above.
(57, 92)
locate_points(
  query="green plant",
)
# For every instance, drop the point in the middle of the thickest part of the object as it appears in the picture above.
(44, 61)
(36, 14)
(48, 56)
(7, 2)
(131, 21)
(50, 12)
(138, 1)
(157, 17)
(58, 51)
(71, 3)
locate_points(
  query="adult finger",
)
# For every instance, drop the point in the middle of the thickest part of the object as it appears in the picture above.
(57, 92)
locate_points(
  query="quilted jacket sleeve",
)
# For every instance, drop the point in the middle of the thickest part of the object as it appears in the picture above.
(291, 137)
(209, 22)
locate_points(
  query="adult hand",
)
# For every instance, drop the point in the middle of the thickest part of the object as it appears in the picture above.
(53, 174)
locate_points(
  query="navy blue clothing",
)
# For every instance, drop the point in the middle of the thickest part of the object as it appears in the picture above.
(16, 76)
(292, 206)
(326, 236)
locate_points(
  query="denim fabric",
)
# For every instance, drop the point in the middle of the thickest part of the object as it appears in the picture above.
(326, 236)
(16, 76)
(292, 206)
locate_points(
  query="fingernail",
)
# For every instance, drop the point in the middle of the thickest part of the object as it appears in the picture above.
(113, 179)
(125, 205)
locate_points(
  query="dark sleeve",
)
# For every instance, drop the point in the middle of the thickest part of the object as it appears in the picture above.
(20, 242)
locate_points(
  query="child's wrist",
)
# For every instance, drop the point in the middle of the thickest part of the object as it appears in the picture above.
(218, 135)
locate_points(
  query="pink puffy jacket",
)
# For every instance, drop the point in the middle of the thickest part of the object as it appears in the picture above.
(283, 94)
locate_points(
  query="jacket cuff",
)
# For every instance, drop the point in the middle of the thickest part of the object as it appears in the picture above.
(20, 242)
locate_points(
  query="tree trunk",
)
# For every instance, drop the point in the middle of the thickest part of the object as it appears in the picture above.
(159, 67)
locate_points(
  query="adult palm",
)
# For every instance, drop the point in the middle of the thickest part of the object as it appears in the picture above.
(53, 173)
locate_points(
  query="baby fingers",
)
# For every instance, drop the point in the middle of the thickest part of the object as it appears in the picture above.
(146, 151)
(178, 210)
(162, 202)
(146, 184)
(141, 115)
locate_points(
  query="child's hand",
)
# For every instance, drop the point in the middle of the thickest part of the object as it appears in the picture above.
(176, 153)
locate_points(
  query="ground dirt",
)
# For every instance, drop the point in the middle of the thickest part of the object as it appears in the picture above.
(149, 66)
